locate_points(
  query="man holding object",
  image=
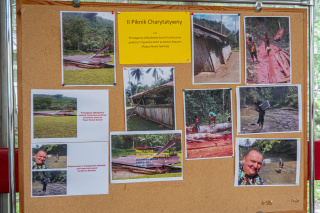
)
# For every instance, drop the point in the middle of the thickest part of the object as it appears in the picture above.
(248, 171)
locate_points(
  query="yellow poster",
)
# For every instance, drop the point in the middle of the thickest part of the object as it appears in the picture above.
(154, 37)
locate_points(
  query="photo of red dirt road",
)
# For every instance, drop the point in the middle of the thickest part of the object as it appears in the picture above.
(208, 118)
(267, 50)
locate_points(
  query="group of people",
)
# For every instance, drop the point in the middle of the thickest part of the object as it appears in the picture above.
(250, 166)
(252, 46)
(212, 118)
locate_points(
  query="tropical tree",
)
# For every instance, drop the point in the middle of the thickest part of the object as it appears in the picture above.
(155, 73)
(137, 74)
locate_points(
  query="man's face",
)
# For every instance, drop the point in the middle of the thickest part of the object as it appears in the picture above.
(40, 157)
(252, 163)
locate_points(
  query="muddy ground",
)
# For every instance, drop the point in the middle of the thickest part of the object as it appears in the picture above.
(52, 189)
(271, 176)
(275, 120)
(221, 147)
(226, 73)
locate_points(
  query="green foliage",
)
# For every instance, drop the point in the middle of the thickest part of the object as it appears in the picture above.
(277, 96)
(124, 145)
(201, 102)
(55, 127)
(86, 31)
(51, 149)
(89, 77)
(55, 176)
(53, 102)
(286, 149)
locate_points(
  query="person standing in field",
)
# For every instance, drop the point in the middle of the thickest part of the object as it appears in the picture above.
(267, 43)
(45, 183)
(261, 116)
(212, 117)
(253, 50)
(280, 165)
(197, 125)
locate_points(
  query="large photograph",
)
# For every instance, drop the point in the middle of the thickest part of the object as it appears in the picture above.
(149, 98)
(269, 109)
(216, 49)
(267, 162)
(54, 116)
(208, 123)
(61, 116)
(145, 157)
(268, 50)
(87, 40)
(49, 156)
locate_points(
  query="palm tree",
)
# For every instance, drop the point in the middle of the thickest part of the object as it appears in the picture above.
(155, 74)
(137, 74)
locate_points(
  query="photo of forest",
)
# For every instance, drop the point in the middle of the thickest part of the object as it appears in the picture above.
(149, 98)
(48, 183)
(56, 155)
(216, 56)
(268, 50)
(137, 157)
(88, 48)
(54, 116)
(273, 151)
(208, 116)
(281, 116)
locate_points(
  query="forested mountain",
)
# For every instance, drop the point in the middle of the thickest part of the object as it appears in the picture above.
(285, 96)
(86, 31)
(53, 102)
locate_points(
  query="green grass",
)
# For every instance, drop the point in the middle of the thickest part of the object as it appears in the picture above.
(55, 127)
(123, 152)
(75, 52)
(89, 77)
(178, 174)
(136, 123)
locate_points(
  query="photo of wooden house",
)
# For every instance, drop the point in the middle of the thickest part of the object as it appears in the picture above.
(216, 49)
(211, 49)
(156, 105)
(149, 98)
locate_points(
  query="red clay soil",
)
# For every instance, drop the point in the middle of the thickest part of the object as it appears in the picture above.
(269, 70)
(209, 148)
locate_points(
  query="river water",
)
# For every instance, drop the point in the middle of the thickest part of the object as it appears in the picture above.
(275, 120)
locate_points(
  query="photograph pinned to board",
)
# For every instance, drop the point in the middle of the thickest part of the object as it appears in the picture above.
(268, 49)
(208, 123)
(86, 162)
(269, 109)
(49, 156)
(87, 48)
(267, 162)
(69, 115)
(216, 49)
(145, 157)
(149, 98)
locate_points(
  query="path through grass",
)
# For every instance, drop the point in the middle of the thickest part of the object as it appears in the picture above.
(136, 123)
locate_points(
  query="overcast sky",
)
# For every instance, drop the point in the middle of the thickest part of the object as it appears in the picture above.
(228, 20)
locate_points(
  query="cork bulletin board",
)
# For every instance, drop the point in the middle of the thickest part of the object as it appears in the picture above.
(208, 185)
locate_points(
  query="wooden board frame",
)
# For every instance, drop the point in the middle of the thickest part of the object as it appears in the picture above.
(208, 184)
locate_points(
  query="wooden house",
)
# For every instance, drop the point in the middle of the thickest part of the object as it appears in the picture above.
(156, 104)
(211, 49)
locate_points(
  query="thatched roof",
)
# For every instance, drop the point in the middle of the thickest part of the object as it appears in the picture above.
(202, 31)
(155, 91)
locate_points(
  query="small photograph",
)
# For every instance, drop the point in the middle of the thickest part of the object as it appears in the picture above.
(208, 123)
(269, 109)
(47, 156)
(267, 162)
(268, 50)
(87, 40)
(49, 183)
(54, 116)
(216, 49)
(149, 98)
(145, 157)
